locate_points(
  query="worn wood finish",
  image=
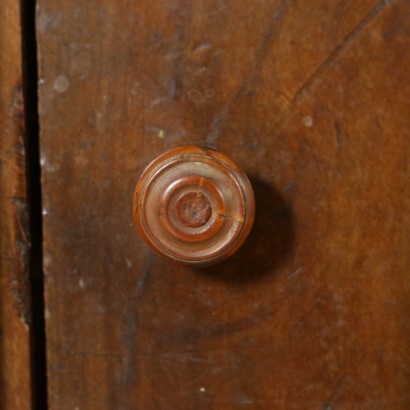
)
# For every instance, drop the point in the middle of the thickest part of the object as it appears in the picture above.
(194, 206)
(312, 101)
(15, 391)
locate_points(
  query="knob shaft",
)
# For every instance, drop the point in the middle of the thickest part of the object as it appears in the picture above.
(194, 206)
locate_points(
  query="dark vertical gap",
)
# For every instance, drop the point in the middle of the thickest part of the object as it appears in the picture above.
(30, 76)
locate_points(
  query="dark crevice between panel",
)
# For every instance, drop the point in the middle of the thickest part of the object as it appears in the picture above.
(30, 76)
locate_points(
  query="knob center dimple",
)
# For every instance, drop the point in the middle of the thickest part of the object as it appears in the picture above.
(194, 209)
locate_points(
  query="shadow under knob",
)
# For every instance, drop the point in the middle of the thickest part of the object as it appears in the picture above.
(194, 206)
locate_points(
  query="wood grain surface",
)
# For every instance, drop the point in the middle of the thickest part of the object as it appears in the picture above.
(15, 304)
(311, 99)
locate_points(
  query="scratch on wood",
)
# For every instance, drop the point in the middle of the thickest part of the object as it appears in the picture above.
(266, 43)
(339, 134)
(102, 355)
(336, 393)
(313, 154)
(131, 326)
(346, 42)
(343, 45)
(253, 78)
(144, 276)
(295, 271)
(20, 206)
(217, 124)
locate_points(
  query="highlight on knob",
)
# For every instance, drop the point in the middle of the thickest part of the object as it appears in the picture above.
(194, 206)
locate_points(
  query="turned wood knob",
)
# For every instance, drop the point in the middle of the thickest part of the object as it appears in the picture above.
(194, 206)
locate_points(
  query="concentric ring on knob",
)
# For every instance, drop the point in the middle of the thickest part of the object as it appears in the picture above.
(194, 205)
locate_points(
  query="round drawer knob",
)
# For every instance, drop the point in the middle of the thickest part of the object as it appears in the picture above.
(194, 206)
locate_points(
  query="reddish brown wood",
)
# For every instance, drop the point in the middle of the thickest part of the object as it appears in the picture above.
(194, 206)
(193, 209)
(15, 380)
(311, 100)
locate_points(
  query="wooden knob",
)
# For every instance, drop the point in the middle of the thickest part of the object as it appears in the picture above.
(194, 206)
